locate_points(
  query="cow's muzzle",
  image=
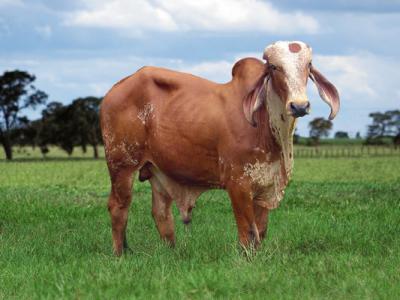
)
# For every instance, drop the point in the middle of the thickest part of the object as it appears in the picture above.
(299, 109)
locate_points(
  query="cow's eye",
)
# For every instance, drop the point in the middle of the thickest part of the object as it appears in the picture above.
(272, 67)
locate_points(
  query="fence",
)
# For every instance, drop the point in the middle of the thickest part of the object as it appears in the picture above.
(345, 151)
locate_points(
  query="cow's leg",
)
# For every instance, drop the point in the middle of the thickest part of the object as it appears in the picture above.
(261, 216)
(118, 205)
(162, 212)
(242, 204)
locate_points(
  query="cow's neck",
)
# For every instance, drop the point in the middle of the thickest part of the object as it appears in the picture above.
(282, 129)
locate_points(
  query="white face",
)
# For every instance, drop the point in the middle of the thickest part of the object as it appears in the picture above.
(289, 64)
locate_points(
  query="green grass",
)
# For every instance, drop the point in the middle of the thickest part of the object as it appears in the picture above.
(335, 236)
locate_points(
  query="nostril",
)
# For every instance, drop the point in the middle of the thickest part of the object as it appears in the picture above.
(293, 106)
(307, 105)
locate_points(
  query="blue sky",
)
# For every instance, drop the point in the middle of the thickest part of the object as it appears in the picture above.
(81, 47)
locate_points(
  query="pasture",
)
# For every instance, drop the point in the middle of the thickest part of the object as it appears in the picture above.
(335, 235)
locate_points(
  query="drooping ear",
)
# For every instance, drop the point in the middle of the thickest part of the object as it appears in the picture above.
(327, 91)
(255, 99)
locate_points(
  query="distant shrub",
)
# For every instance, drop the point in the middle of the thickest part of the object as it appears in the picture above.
(341, 135)
(378, 140)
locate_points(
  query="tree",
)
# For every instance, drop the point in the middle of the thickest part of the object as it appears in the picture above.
(71, 125)
(319, 127)
(394, 123)
(16, 94)
(341, 135)
(58, 128)
(86, 121)
(384, 125)
(25, 133)
(379, 126)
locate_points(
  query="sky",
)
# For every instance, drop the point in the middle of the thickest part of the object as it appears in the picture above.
(80, 48)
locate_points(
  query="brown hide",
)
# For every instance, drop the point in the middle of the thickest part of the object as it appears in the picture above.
(186, 135)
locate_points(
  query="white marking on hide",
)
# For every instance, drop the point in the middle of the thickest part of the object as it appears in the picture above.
(267, 175)
(282, 131)
(108, 136)
(125, 151)
(261, 173)
(146, 112)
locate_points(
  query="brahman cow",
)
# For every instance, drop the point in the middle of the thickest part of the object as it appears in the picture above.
(186, 135)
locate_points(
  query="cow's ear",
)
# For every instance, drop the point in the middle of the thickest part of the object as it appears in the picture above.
(326, 90)
(255, 99)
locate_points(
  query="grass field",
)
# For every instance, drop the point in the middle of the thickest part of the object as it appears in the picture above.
(335, 236)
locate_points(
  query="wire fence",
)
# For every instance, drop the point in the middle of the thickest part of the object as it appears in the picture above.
(346, 151)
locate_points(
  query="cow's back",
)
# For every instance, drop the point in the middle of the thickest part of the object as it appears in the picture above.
(170, 119)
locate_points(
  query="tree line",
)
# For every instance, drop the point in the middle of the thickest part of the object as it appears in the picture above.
(66, 126)
(385, 128)
(384, 125)
(77, 124)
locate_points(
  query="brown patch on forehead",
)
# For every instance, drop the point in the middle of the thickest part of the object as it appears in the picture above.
(294, 47)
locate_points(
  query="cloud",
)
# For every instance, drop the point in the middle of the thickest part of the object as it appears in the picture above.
(134, 15)
(4, 28)
(44, 31)
(219, 71)
(354, 6)
(216, 70)
(181, 15)
(366, 79)
(349, 73)
(17, 3)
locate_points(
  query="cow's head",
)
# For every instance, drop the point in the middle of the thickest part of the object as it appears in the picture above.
(288, 67)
